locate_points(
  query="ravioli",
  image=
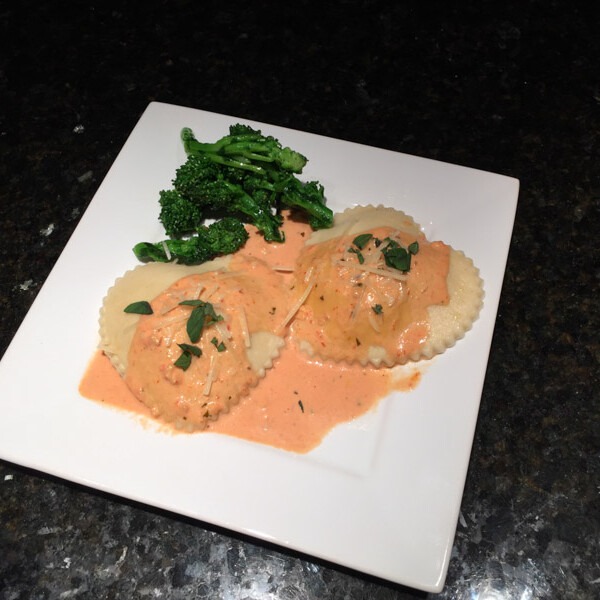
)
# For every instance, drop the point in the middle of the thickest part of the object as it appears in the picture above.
(232, 353)
(356, 301)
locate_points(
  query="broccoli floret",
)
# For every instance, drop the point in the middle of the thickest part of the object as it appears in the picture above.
(205, 184)
(221, 237)
(308, 197)
(178, 214)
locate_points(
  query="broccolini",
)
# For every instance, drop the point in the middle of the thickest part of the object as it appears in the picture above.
(244, 177)
(221, 237)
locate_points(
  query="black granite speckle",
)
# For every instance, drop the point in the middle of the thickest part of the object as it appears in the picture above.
(509, 87)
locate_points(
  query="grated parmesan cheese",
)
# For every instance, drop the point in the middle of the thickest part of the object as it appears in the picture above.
(296, 307)
(373, 270)
(244, 325)
(167, 251)
(211, 375)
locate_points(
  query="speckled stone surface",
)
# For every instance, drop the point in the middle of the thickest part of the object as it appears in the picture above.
(510, 87)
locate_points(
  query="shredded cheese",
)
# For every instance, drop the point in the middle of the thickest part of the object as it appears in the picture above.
(211, 375)
(358, 303)
(374, 321)
(373, 270)
(199, 290)
(308, 274)
(223, 331)
(244, 324)
(169, 308)
(296, 307)
(167, 251)
(171, 321)
(210, 291)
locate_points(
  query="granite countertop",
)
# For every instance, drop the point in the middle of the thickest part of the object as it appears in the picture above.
(509, 87)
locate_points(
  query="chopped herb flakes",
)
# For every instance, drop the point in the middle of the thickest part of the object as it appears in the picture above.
(191, 349)
(185, 359)
(398, 257)
(377, 309)
(220, 346)
(361, 258)
(362, 240)
(203, 314)
(395, 256)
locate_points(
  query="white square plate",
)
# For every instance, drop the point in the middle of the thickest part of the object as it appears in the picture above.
(381, 494)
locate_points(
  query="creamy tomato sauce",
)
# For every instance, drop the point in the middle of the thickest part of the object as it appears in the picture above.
(293, 408)
(297, 402)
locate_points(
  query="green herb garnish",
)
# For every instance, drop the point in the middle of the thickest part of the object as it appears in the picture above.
(377, 309)
(185, 359)
(361, 258)
(202, 315)
(139, 308)
(360, 241)
(220, 346)
(396, 256)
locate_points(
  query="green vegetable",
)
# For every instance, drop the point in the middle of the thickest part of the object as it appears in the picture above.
(413, 248)
(220, 346)
(362, 240)
(139, 308)
(222, 237)
(245, 148)
(359, 254)
(215, 191)
(185, 359)
(244, 177)
(203, 314)
(398, 257)
(178, 214)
